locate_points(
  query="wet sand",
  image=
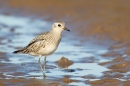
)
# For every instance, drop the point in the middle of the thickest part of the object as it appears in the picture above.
(95, 52)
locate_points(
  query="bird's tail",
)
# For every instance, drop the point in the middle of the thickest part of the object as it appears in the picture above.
(19, 51)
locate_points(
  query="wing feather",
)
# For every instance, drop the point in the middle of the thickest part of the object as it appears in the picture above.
(34, 45)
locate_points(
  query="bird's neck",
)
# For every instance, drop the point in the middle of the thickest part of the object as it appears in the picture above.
(57, 32)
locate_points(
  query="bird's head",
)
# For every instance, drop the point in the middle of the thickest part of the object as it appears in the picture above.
(59, 26)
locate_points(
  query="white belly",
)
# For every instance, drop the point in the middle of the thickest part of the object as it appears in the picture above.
(47, 50)
(51, 49)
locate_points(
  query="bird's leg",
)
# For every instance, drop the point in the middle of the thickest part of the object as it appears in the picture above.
(44, 63)
(41, 66)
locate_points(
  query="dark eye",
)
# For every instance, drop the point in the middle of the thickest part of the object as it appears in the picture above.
(59, 25)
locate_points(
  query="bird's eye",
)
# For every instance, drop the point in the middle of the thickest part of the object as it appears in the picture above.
(59, 25)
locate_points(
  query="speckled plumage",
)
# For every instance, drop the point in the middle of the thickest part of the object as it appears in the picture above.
(43, 45)
(46, 43)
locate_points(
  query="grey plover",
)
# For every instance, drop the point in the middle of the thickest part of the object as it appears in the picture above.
(45, 44)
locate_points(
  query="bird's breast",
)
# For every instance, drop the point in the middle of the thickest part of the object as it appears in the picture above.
(49, 48)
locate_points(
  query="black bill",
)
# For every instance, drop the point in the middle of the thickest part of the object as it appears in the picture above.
(66, 29)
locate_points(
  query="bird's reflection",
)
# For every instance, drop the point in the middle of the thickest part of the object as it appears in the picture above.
(64, 62)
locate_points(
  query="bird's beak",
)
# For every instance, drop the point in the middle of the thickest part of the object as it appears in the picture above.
(66, 29)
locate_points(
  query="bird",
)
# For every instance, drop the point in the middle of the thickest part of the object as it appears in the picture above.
(44, 44)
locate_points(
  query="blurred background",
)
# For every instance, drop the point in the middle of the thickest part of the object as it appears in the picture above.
(99, 38)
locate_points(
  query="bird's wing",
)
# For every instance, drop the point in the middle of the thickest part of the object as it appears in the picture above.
(39, 38)
(36, 44)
